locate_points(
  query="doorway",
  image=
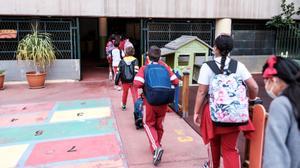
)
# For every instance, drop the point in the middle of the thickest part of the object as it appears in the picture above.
(93, 66)
(90, 49)
(129, 27)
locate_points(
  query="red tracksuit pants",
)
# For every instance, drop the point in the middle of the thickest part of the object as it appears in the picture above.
(133, 90)
(153, 124)
(225, 144)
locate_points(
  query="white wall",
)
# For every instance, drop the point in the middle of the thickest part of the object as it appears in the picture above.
(247, 9)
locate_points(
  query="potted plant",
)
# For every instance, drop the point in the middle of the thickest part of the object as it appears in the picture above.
(2, 77)
(36, 48)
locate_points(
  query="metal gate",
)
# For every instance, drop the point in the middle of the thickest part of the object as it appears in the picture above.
(288, 40)
(64, 32)
(161, 32)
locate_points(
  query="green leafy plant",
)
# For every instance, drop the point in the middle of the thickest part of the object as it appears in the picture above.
(38, 48)
(285, 18)
(2, 72)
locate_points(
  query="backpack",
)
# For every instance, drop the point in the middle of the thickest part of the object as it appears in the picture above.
(158, 88)
(138, 113)
(121, 54)
(228, 100)
(127, 72)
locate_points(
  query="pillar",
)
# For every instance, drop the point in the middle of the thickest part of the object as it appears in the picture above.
(223, 26)
(103, 36)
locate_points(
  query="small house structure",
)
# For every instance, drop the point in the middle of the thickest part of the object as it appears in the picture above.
(186, 53)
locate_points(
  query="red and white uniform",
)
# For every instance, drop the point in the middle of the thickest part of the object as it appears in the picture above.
(222, 140)
(129, 86)
(154, 115)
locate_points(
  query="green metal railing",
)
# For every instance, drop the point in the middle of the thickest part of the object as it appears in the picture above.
(288, 42)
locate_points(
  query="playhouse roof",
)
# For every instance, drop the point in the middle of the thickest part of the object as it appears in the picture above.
(174, 45)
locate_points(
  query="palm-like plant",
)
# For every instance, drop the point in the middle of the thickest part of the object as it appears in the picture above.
(38, 48)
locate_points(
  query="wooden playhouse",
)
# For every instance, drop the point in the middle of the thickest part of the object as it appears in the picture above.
(186, 53)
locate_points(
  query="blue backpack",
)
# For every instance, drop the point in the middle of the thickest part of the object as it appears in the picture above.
(158, 87)
(138, 113)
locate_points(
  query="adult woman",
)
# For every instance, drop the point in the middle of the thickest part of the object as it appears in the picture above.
(221, 139)
(282, 138)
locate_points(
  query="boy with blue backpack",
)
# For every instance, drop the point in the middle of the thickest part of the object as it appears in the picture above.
(158, 83)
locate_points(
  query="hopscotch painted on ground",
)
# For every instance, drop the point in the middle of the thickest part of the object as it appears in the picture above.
(80, 133)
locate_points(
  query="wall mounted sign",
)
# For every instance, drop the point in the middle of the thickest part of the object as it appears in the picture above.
(8, 34)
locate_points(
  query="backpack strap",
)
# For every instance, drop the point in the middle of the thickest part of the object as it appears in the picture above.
(214, 67)
(232, 66)
(121, 54)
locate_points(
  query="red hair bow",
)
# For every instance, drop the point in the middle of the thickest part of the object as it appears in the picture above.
(270, 70)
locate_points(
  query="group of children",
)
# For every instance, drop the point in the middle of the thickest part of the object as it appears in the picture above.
(148, 78)
(221, 106)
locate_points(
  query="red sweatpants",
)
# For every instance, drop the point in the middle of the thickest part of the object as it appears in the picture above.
(133, 90)
(225, 144)
(153, 124)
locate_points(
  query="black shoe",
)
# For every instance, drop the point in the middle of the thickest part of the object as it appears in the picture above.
(205, 165)
(157, 156)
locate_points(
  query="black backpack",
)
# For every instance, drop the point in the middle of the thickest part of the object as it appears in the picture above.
(127, 72)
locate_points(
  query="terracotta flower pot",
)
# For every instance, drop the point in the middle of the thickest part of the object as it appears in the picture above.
(2, 77)
(36, 81)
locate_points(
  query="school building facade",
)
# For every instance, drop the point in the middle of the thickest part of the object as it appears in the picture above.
(80, 29)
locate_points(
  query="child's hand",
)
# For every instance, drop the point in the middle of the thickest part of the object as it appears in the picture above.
(196, 119)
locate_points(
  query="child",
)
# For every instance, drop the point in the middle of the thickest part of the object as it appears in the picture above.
(282, 83)
(221, 139)
(117, 56)
(127, 69)
(154, 114)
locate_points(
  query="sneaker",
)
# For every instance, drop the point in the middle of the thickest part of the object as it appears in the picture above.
(110, 76)
(205, 165)
(119, 88)
(123, 107)
(157, 156)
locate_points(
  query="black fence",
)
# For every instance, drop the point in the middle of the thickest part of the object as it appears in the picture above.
(64, 33)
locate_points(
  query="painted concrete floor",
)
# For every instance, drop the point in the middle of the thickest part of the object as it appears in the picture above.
(81, 124)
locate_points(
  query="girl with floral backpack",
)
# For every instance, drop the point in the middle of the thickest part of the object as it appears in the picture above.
(219, 124)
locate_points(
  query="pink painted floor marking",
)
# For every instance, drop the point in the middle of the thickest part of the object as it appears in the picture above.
(74, 149)
(23, 119)
(26, 108)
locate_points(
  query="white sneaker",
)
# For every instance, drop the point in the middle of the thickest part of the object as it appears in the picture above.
(110, 76)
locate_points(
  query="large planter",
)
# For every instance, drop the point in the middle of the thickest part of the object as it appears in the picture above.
(36, 80)
(2, 77)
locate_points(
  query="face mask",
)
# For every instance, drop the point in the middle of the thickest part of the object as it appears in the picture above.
(270, 92)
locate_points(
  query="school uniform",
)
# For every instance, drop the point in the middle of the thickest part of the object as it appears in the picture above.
(117, 54)
(222, 139)
(126, 86)
(154, 115)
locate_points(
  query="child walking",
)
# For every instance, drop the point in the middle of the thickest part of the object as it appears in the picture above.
(222, 140)
(126, 71)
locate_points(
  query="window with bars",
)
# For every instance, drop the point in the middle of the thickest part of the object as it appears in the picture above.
(64, 33)
(161, 32)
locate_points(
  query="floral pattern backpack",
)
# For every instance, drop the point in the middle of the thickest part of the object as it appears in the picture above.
(228, 99)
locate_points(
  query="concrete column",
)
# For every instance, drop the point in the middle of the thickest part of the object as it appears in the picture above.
(103, 36)
(223, 26)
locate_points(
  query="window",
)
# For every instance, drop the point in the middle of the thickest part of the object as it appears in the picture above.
(252, 38)
(183, 60)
